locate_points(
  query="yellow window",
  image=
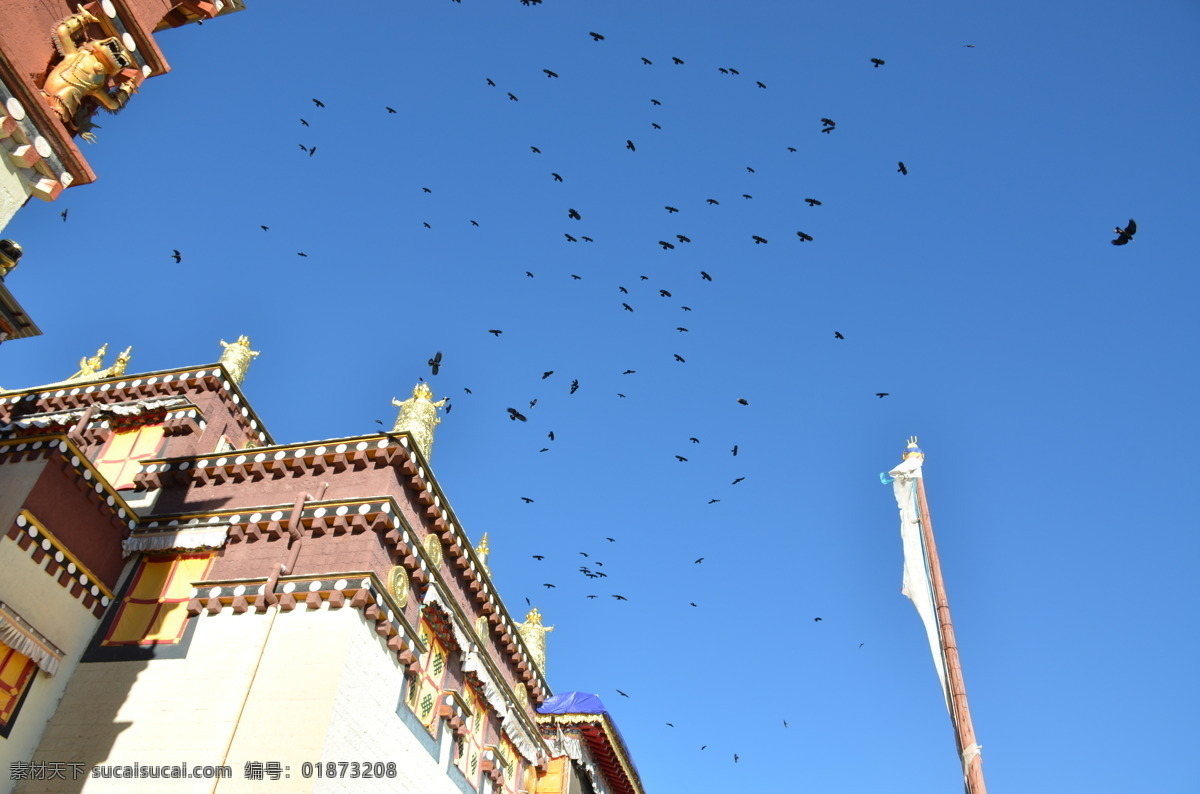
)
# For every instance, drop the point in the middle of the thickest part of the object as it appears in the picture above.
(16, 674)
(154, 610)
(119, 459)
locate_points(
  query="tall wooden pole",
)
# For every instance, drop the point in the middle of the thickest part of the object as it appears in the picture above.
(964, 731)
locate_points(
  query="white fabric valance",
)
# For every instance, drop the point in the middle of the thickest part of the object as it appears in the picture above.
(183, 538)
(26, 640)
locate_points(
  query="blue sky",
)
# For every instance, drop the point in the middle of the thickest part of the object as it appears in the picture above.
(1049, 375)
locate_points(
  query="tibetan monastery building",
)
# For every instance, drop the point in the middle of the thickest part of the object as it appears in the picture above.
(181, 596)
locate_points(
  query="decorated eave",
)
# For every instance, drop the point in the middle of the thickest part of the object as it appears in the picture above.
(605, 746)
(393, 450)
(14, 322)
(132, 388)
(177, 415)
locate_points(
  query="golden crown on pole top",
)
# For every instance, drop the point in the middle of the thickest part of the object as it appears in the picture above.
(912, 449)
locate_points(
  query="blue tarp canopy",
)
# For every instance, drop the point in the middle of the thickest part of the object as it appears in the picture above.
(573, 703)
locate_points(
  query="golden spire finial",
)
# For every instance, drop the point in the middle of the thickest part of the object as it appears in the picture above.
(534, 634)
(90, 368)
(483, 550)
(236, 358)
(912, 450)
(418, 416)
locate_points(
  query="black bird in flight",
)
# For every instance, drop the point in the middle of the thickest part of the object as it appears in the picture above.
(574, 388)
(712, 502)
(63, 215)
(489, 81)
(596, 37)
(655, 126)
(791, 148)
(686, 308)
(694, 440)
(761, 84)
(544, 449)
(550, 435)
(751, 170)
(533, 402)
(265, 228)
(804, 237)
(902, 169)
(664, 293)
(572, 214)
(683, 239)
(733, 71)
(622, 694)
(681, 329)
(671, 209)
(557, 178)
(734, 450)
(838, 335)
(468, 391)
(877, 61)
(697, 562)
(621, 598)
(586, 239)
(388, 109)
(426, 225)
(669, 725)
(1126, 234)
(515, 415)
(539, 556)
(528, 274)
(535, 150)
(623, 290)
(722, 70)
(547, 585)
(312, 151)
(435, 363)
(305, 123)
(577, 278)
(629, 145)
(829, 122)
(882, 394)
(301, 253)
(628, 308)
(318, 103)
(513, 97)
(526, 500)
(712, 201)
(302, 146)
(547, 374)
(681, 458)
(739, 479)
(655, 102)
(647, 61)
(550, 73)
(178, 257)
(758, 239)
(476, 223)
(816, 620)
(812, 202)
(629, 372)
(495, 332)
(666, 246)
(644, 278)
(677, 60)
(747, 196)
(427, 190)
(679, 358)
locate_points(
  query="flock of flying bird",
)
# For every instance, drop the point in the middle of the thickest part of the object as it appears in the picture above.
(591, 569)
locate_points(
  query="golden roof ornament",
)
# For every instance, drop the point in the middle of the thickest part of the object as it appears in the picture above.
(913, 450)
(483, 550)
(90, 367)
(534, 634)
(10, 254)
(236, 358)
(418, 416)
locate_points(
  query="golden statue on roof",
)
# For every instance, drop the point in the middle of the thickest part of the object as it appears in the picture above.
(483, 550)
(86, 69)
(236, 358)
(418, 416)
(534, 634)
(90, 367)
